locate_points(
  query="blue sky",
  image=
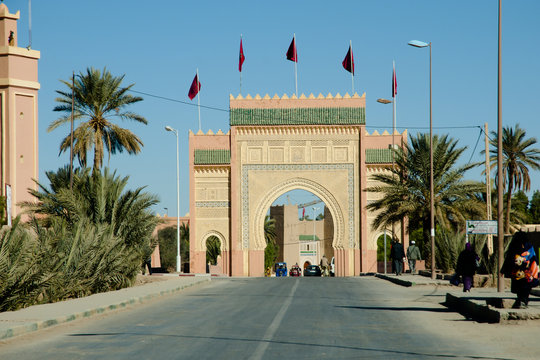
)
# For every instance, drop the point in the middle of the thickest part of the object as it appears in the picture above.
(159, 45)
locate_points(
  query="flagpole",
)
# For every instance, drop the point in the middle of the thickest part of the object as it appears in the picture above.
(29, 24)
(199, 98)
(395, 98)
(295, 70)
(240, 70)
(352, 67)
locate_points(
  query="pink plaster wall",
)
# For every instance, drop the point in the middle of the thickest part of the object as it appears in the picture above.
(237, 255)
(256, 262)
(206, 142)
(8, 24)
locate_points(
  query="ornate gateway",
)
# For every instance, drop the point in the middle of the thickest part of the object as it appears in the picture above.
(275, 145)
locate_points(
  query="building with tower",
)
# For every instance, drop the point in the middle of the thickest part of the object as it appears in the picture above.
(19, 114)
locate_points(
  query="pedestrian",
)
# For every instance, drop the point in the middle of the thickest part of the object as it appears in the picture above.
(521, 265)
(413, 254)
(148, 263)
(467, 264)
(397, 254)
(324, 265)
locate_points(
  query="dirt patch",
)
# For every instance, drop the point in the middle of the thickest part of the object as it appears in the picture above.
(145, 279)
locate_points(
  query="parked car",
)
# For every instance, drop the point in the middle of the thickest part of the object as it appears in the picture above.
(295, 271)
(332, 267)
(312, 270)
(281, 269)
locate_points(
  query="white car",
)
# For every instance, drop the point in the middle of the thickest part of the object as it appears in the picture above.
(332, 273)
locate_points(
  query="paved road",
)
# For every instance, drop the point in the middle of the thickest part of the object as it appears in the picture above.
(291, 318)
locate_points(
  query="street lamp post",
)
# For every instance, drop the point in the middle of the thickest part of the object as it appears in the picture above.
(421, 44)
(500, 190)
(315, 208)
(387, 101)
(178, 259)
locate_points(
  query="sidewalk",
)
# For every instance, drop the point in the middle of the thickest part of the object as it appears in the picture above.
(33, 318)
(484, 304)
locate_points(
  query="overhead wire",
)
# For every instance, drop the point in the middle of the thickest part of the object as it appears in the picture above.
(228, 110)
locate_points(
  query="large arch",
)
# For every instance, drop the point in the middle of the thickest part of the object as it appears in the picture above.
(225, 259)
(259, 243)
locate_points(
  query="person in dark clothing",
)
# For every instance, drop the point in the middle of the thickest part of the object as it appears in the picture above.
(397, 254)
(521, 265)
(466, 266)
(147, 263)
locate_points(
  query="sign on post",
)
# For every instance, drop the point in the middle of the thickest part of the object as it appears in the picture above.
(476, 227)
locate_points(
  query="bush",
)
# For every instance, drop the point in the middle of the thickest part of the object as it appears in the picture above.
(167, 246)
(91, 239)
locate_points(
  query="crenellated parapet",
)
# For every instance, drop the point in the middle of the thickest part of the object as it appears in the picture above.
(303, 110)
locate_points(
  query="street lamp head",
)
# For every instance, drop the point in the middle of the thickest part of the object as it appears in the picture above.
(384, 101)
(168, 128)
(418, 44)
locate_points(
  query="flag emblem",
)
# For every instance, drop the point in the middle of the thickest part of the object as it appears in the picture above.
(195, 87)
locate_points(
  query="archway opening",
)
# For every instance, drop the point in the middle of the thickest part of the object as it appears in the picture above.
(385, 238)
(299, 230)
(213, 254)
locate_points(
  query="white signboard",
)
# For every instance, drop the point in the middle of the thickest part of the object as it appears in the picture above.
(482, 227)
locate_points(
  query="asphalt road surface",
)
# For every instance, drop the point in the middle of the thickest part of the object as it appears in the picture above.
(284, 318)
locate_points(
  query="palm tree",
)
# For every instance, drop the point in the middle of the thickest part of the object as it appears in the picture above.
(518, 156)
(272, 249)
(98, 97)
(405, 188)
(213, 250)
(99, 197)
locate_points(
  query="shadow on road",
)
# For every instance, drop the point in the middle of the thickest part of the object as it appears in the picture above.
(443, 310)
(325, 346)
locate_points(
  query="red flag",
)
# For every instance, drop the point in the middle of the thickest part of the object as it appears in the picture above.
(348, 62)
(303, 213)
(241, 57)
(195, 87)
(394, 82)
(291, 53)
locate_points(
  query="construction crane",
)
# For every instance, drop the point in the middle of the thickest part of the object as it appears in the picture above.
(310, 203)
(305, 204)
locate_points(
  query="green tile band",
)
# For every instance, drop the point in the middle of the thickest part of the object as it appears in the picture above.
(212, 157)
(298, 116)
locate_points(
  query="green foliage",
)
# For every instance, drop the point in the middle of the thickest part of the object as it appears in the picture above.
(518, 157)
(90, 239)
(404, 193)
(213, 250)
(98, 97)
(3, 220)
(380, 247)
(22, 275)
(534, 208)
(271, 253)
(448, 245)
(167, 246)
(520, 202)
(269, 229)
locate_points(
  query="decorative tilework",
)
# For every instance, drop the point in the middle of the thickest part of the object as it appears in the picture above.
(294, 167)
(212, 156)
(211, 204)
(378, 156)
(298, 116)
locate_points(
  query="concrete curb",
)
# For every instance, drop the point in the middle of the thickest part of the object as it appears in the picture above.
(481, 311)
(396, 280)
(43, 324)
